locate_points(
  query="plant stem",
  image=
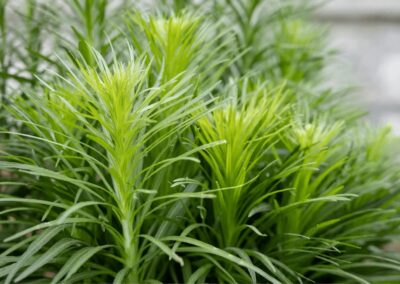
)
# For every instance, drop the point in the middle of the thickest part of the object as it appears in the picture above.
(3, 50)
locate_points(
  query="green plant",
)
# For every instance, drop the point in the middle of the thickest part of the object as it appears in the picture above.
(180, 146)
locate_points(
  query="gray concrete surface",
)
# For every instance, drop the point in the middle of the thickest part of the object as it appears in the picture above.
(366, 34)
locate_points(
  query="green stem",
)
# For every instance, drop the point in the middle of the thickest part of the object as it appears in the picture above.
(129, 250)
(3, 82)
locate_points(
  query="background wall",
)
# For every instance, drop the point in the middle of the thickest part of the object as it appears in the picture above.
(367, 36)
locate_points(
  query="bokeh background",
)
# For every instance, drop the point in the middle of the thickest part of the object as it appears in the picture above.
(366, 34)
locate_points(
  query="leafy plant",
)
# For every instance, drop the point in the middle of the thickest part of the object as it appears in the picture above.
(190, 144)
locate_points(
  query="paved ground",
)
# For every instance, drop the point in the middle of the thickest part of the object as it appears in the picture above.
(367, 35)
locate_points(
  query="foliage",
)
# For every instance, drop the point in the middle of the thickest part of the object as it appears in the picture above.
(196, 143)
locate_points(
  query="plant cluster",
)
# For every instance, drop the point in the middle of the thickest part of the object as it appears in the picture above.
(193, 143)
